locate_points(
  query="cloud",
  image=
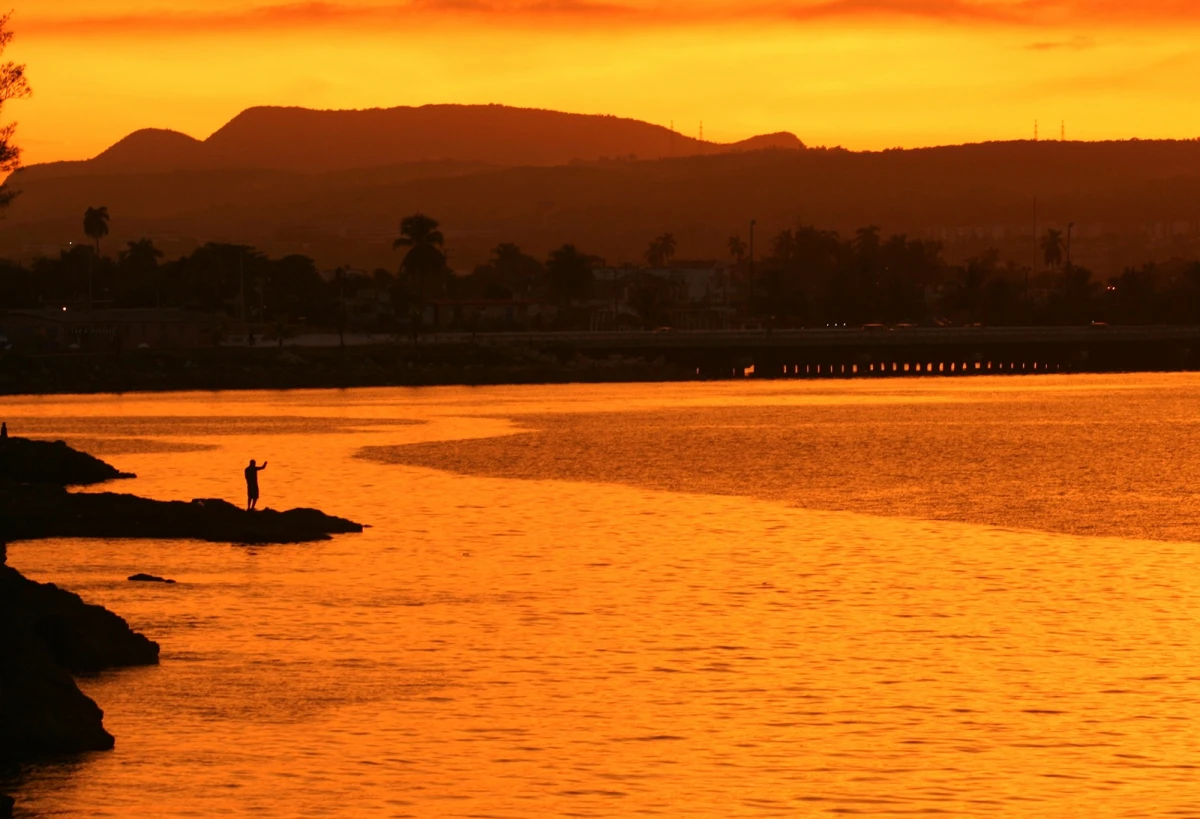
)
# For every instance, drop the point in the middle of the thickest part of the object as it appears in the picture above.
(307, 15)
(1077, 43)
(202, 17)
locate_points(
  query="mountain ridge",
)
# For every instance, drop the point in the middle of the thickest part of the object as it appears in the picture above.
(309, 140)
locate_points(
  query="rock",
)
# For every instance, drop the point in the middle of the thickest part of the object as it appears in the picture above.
(148, 578)
(43, 462)
(46, 634)
(34, 504)
(33, 512)
(6, 806)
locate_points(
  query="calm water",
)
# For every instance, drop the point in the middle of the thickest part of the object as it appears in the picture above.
(929, 596)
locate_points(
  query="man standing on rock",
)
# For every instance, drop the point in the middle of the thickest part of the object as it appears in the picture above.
(252, 484)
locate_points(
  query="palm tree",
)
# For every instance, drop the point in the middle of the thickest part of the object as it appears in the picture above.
(660, 250)
(737, 248)
(653, 254)
(1052, 248)
(95, 226)
(666, 243)
(424, 259)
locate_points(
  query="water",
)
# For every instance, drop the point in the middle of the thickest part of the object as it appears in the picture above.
(972, 597)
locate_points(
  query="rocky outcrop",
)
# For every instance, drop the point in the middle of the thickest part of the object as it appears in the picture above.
(52, 463)
(33, 512)
(46, 635)
(34, 503)
(142, 577)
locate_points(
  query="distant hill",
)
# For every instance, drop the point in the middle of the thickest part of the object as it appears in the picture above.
(270, 178)
(307, 141)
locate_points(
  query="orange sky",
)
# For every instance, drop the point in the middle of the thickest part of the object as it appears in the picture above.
(858, 73)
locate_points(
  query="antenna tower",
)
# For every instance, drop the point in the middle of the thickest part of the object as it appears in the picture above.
(1035, 130)
(1062, 134)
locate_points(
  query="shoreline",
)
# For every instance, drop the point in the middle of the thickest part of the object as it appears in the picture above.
(291, 368)
(232, 369)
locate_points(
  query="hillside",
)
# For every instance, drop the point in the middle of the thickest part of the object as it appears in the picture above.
(1129, 201)
(301, 140)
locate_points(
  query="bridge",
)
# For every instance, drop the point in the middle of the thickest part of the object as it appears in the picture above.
(879, 351)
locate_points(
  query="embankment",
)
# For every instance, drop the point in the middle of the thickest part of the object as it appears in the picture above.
(377, 365)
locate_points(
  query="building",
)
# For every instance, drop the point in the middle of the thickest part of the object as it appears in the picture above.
(488, 314)
(689, 295)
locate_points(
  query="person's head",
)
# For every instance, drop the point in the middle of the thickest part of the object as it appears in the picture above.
(251, 462)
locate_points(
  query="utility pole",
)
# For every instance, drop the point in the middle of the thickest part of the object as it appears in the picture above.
(340, 274)
(242, 288)
(1028, 306)
(1069, 226)
(750, 306)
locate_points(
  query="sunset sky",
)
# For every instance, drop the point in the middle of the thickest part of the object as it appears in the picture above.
(858, 73)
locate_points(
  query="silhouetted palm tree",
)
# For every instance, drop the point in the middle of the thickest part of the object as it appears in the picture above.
(661, 250)
(95, 225)
(1052, 248)
(737, 248)
(666, 243)
(424, 259)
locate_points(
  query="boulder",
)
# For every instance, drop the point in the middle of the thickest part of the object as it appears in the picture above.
(44, 462)
(46, 634)
(149, 578)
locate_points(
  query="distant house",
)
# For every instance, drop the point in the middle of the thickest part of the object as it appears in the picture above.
(488, 314)
(370, 307)
(698, 294)
(63, 328)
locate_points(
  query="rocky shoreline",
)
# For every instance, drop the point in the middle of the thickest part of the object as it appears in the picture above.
(48, 634)
(33, 513)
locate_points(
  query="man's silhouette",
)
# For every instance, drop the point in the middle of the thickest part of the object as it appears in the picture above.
(252, 483)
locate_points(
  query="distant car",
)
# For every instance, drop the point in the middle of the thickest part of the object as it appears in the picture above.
(664, 329)
(904, 325)
(1101, 325)
(873, 326)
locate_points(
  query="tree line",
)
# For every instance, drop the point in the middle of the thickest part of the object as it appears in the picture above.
(807, 277)
(813, 277)
(245, 284)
